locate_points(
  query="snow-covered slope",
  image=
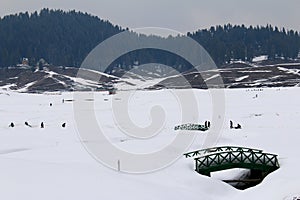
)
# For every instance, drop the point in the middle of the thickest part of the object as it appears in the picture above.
(51, 163)
(238, 75)
(52, 78)
(235, 75)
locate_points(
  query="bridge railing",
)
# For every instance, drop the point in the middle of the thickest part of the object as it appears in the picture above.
(232, 159)
(219, 149)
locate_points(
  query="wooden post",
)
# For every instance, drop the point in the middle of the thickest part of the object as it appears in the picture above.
(119, 165)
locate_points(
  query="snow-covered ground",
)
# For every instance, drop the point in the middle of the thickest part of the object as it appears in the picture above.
(260, 58)
(51, 163)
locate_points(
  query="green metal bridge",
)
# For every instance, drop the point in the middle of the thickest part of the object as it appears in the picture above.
(219, 149)
(222, 158)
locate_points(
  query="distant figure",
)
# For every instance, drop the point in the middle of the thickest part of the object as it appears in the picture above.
(26, 123)
(63, 125)
(50, 104)
(42, 125)
(207, 124)
(11, 125)
(63, 100)
(231, 124)
(238, 126)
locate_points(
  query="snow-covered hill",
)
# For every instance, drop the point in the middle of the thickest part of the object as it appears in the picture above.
(52, 78)
(238, 75)
(235, 75)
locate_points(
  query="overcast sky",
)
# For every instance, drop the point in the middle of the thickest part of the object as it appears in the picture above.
(180, 15)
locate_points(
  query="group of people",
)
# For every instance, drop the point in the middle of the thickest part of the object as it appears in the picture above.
(207, 124)
(42, 125)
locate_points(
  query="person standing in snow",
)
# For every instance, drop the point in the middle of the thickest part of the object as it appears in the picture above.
(231, 124)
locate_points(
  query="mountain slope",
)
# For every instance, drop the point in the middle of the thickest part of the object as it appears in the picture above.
(53, 79)
(236, 75)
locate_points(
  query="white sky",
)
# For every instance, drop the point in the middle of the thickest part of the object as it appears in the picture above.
(179, 15)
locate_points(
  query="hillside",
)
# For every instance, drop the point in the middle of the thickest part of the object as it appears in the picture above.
(52, 79)
(65, 38)
(61, 38)
(235, 42)
(235, 75)
(238, 75)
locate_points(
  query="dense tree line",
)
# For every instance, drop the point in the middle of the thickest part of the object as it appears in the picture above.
(225, 43)
(65, 38)
(61, 38)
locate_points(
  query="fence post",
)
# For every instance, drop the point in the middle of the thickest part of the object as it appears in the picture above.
(119, 165)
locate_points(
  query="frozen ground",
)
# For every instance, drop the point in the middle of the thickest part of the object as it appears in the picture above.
(51, 163)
